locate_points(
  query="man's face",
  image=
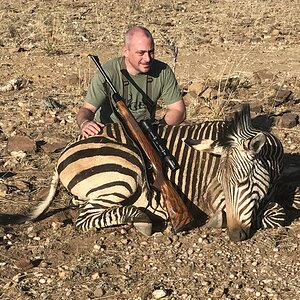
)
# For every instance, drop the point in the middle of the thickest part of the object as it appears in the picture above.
(139, 54)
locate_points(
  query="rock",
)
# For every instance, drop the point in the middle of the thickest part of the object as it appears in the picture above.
(22, 185)
(279, 97)
(24, 263)
(73, 79)
(99, 292)
(3, 189)
(197, 87)
(263, 76)
(51, 102)
(275, 32)
(17, 155)
(209, 93)
(158, 294)
(20, 143)
(189, 98)
(53, 147)
(95, 276)
(289, 120)
(15, 84)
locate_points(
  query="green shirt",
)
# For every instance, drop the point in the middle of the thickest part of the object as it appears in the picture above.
(164, 86)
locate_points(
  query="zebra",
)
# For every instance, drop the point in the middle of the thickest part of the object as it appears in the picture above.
(228, 173)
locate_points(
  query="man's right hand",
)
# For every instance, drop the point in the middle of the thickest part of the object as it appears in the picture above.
(89, 128)
(85, 120)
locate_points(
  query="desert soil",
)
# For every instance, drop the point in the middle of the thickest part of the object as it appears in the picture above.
(223, 53)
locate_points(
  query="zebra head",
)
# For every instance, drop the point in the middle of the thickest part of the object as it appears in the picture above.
(250, 163)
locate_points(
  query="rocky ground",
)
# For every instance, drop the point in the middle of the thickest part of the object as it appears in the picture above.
(223, 53)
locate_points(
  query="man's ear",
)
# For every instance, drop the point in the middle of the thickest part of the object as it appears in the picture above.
(205, 145)
(124, 51)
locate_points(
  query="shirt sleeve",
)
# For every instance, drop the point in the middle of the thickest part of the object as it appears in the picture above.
(171, 92)
(96, 93)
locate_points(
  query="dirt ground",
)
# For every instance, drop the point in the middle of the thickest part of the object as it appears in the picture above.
(223, 53)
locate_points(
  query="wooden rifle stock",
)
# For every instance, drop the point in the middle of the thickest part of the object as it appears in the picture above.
(178, 213)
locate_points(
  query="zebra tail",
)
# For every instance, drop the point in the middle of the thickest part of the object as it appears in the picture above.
(33, 212)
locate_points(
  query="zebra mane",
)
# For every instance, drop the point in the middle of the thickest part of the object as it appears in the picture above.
(239, 128)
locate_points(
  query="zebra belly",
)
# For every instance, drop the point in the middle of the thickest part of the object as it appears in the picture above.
(92, 170)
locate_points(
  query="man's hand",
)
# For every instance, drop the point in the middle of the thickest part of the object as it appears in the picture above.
(89, 128)
(85, 117)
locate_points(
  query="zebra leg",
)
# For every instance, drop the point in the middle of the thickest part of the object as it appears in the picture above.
(76, 202)
(93, 216)
(273, 216)
(215, 206)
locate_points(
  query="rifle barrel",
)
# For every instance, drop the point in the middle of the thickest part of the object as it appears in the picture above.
(95, 59)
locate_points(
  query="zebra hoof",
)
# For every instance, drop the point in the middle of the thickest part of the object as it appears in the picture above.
(218, 220)
(143, 228)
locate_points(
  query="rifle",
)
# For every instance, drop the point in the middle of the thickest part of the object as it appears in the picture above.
(178, 213)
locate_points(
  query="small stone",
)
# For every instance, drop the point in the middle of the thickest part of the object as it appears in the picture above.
(56, 225)
(62, 274)
(18, 154)
(95, 276)
(3, 189)
(96, 248)
(124, 241)
(73, 79)
(21, 185)
(99, 292)
(218, 292)
(24, 263)
(158, 294)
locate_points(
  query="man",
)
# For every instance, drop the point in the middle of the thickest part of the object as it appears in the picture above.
(142, 80)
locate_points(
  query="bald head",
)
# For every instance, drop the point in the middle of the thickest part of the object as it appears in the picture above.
(136, 33)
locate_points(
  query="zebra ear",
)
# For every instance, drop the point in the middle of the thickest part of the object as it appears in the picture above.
(205, 145)
(255, 144)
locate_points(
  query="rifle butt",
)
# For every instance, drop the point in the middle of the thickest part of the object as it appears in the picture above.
(180, 217)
